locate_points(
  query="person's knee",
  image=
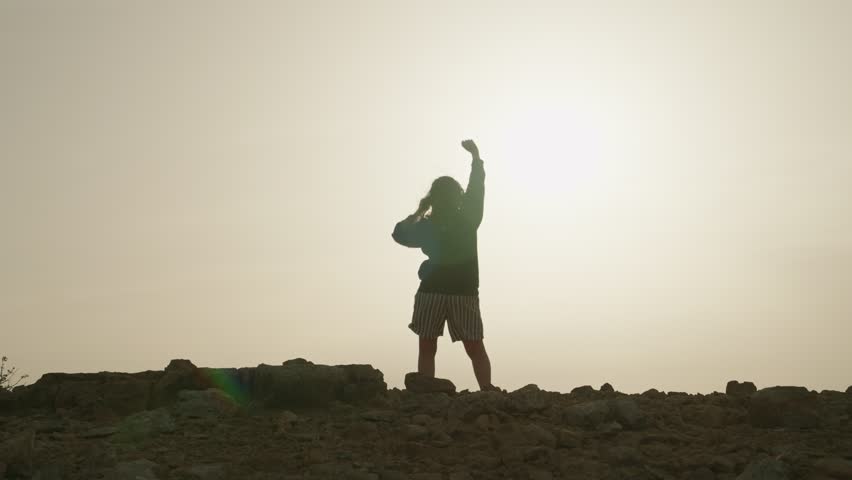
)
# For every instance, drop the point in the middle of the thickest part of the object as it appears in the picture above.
(474, 347)
(428, 346)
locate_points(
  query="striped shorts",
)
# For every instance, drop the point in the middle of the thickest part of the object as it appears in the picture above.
(460, 311)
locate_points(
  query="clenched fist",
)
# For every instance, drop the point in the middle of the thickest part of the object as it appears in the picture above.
(470, 147)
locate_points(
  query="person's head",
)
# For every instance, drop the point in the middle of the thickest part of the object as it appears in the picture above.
(445, 194)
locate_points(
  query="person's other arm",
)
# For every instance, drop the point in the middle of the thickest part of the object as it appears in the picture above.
(409, 231)
(474, 196)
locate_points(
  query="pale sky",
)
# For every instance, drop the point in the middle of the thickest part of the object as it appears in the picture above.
(667, 200)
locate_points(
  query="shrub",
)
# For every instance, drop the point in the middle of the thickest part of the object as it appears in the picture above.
(7, 376)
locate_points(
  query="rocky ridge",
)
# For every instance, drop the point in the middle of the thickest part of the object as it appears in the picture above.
(300, 420)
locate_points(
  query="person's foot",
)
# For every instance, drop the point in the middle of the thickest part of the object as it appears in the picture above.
(492, 388)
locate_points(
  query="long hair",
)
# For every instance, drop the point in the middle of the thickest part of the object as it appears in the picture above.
(444, 194)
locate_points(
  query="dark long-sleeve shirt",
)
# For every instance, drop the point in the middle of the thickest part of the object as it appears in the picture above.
(449, 242)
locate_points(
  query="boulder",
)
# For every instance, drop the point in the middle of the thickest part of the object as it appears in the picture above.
(419, 383)
(607, 388)
(586, 414)
(179, 375)
(627, 412)
(144, 425)
(737, 389)
(783, 406)
(530, 399)
(297, 384)
(210, 403)
(583, 392)
(363, 383)
(849, 389)
(653, 394)
(766, 469)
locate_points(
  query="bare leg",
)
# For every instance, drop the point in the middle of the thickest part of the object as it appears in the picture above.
(481, 364)
(426, 357)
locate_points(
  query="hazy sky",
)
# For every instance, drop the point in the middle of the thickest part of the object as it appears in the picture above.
(667, 197)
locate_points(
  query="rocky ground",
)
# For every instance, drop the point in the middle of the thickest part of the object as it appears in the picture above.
(304, 421)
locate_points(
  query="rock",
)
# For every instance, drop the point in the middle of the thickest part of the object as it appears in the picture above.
(586, 414)
(792, 407)
(653, 394)
(536, 474)
(568, 438)
(737, 389)
(142, 469)
(144, 425)
(609, 427)
(286, 421)
(421, 419)
(419, 383)
(528, 388)
(701, 473)
(835, 467)
(766, 469)
(622, 455)
(379, 415)
(721, 464)
(180, 365)
(529, 399)
(212, 471)
(607, 388)
(121, 394)
(483, 422)
(705, 415)
(50, 426)
(415, 432)
(468, 407)
(627, 412)
(585, 391)
(849, 389)
(210, 403)
(88, 394)
(434, 404)
(16, 454)
(676, 394)
(538, 435)
(363, 383)
(99, 432)
(179, 375)
(299, 383)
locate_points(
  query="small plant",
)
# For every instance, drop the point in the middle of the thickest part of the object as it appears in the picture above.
(7, 376)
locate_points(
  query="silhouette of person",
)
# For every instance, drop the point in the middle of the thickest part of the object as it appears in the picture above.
(444, 227)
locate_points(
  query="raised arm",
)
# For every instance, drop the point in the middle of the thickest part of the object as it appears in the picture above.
(474, 197)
